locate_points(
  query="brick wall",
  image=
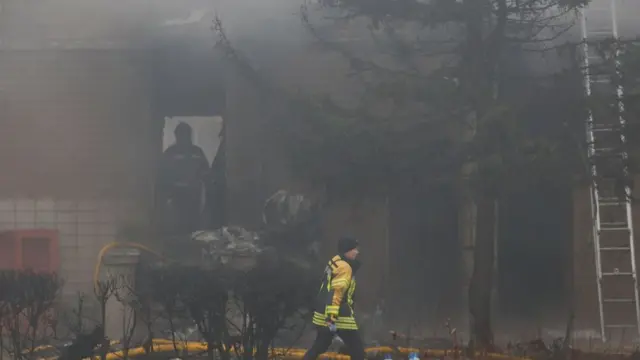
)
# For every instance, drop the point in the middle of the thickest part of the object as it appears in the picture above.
(76, 149)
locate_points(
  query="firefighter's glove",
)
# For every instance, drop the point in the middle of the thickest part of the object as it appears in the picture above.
(331, 323)
(332, 313)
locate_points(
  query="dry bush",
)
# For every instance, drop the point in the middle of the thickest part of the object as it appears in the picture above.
(27, 299)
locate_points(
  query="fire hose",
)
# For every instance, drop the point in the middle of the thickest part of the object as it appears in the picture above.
(167, 346)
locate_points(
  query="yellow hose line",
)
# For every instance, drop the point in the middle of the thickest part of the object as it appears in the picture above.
(103, 251)
(166, 346)
(299, 353)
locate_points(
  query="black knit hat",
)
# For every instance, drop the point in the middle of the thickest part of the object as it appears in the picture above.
(346, 244)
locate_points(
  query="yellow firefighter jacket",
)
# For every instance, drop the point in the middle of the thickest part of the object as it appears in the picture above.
(335, 298)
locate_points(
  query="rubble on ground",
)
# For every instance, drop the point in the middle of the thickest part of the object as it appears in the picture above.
(287, 219)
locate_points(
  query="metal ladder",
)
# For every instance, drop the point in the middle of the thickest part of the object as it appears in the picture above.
(615, 263)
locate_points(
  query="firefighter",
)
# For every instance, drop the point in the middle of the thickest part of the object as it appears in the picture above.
(183, 172)
(334, 309)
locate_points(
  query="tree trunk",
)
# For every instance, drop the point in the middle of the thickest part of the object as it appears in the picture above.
(481, 62)
(480, 287)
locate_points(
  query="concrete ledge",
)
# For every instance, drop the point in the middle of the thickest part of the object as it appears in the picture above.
(121, 265)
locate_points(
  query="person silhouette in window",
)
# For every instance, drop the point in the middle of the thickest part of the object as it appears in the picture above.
(181, 185)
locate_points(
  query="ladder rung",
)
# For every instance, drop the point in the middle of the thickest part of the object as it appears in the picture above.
(603, 129)
(614, 229)
(620, 300)
(612, 203)
(617, 248)
(614, 126)
(609, 199)
(620, 273)
(616, 202)
(607, 150)
(614, 225)
(620, 326)
(600, 32)
(605, 155)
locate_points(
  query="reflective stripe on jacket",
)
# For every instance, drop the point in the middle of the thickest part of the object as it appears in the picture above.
(335, 298)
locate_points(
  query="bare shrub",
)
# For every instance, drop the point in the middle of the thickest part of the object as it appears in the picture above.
(27, 299)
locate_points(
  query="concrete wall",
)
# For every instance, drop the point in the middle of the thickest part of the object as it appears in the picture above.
(76, 149)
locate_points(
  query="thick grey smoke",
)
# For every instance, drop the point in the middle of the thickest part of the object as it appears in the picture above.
(104, 24)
